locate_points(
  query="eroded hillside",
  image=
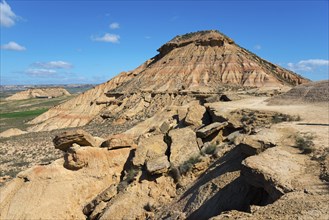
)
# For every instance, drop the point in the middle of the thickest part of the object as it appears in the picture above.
(203, 62)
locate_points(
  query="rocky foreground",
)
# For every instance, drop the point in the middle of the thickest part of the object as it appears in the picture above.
(196, 161)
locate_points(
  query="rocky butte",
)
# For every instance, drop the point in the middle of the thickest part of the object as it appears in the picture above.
(188, 134)
(196, 62)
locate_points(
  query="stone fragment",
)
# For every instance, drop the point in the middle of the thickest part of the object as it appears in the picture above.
(195, 115)
(252, 144)
(210, 129)
(65, 140)
(164, 127)
(117, 141)
(183, 145)
(158, 165)
(148, 97)
(231, 137)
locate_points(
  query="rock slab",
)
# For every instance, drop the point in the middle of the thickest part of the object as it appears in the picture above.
(183, 145)
(150, 148)
(210, 129)
(158, 165)
(65, 140)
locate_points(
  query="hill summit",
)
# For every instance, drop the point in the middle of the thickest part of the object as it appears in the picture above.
(204, 61)
(207, 59)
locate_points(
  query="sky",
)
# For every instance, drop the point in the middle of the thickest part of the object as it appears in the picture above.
(65, 42)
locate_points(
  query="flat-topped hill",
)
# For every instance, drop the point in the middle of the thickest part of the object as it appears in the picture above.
(39, 93)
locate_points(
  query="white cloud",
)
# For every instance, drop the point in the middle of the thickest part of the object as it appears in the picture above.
(53, 65)
(257, 47)
(114, 25)
(308, 65)
(13, 46)
(7, 16)
(314, 62)
(112, 38)
(40, 72)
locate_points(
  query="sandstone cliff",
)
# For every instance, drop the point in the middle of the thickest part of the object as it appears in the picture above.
(39, 93)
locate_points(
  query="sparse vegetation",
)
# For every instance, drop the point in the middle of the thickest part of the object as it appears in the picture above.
(149, 207)
(210, 149)
(131, 174)
(174, 172)
(21, 164)
(122, 186)
(278, 117)
(304, 143)
(320, 157)
(188, 165)
(12, 172)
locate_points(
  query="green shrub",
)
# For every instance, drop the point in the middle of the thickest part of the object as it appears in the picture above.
(305, 143)
(131, 174)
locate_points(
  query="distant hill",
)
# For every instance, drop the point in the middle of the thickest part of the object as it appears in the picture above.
(39, 93)
(313, 92)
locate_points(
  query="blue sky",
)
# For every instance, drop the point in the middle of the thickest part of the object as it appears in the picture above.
(63, 42)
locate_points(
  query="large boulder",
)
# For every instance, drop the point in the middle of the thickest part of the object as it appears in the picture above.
(156, 121)
(255, 144)
(195, 115)
(183, 145)
(136, 199)
(218, 113)
(54, 192)
(150, 148)
(250, 145)
(275, 170)
(65, 140)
